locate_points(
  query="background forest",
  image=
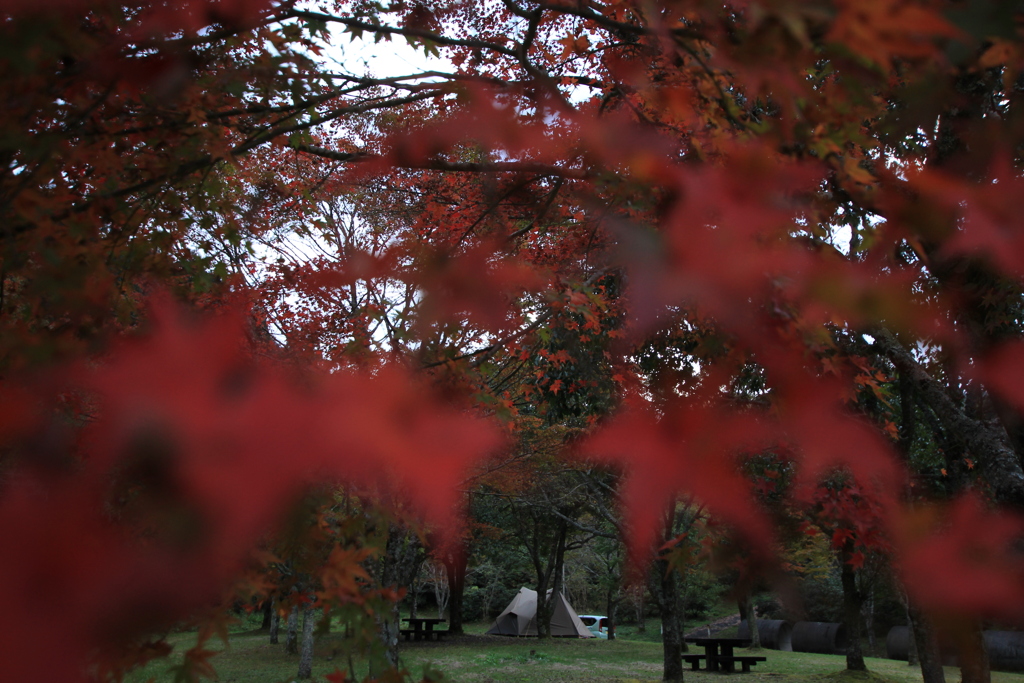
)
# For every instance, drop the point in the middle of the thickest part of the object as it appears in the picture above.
(708, 298)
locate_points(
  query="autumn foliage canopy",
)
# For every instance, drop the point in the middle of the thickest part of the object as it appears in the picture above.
(686, 232)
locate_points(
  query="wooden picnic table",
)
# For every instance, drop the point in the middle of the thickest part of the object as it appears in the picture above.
(423, 628)
(718, 652)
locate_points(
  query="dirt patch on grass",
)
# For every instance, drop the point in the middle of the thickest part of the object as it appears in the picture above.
(715, 626)
(467, 639)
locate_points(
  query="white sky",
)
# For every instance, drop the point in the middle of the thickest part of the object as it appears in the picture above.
(395, 57)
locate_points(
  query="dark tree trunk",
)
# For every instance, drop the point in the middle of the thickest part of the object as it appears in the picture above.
(746, 605)
(306, 652)
(908, 417)
(912, 659)
(543, 618)
(974, 663)
(388, 629)
(996, 458)
(665, 589)
(403, 555)
(275, 622)
(852, 605)
(551, 571)
(414, 590)
(923, 648)
(268, 608)
(640, 614)
(291, 643)
(612, 608)
(927, 647)
(868, 614)
(455, 566)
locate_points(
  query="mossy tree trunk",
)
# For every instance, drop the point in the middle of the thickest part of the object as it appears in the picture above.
(665, 589)
(853, 602)
(747, 613)
(455, 566)
(927, 647)
(306, 652)
(291, 642)
(974, 663)
(275, 621)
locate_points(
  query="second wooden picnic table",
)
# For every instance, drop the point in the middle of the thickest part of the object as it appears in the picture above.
(719, 654)
(422, 628)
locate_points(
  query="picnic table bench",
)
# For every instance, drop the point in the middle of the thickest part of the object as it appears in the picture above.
(422, 628)
(694, 660)
(718, 652)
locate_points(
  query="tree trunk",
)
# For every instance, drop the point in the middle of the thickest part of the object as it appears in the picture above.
(912, 659)
(990, 444)
(665, 589)
(442, 590)
(455, 566)
(542, 616)
(746, 605)
(927, 647)
(852, 604)
(275, 621)
(974, 663)
(397, 568)
(415, 590)
(268, 610)
(640, 616)
(291, 645)
(611, 609)
(388, 629)
(546, 600)
(306, 653)
(868, 614)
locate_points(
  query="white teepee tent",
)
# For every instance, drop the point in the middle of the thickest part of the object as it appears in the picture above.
(520, 618)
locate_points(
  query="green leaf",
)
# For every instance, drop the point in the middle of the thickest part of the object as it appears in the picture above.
(316, 25)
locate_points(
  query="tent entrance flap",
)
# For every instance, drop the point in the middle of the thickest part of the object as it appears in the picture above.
(520, 618)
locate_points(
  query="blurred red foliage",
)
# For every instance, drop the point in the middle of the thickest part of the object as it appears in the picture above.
(701, 230)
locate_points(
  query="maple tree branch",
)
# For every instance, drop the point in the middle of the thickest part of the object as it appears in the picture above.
(1003, 469)
(212, 37)
(500, 167)
(483, 354)
(515, 459)
(723, 98)
(584, 528)
(523, 50)
(358, 25)
(599, 488)
(583, 12)
(540, 214)
(510, 370)
(493, 347)
(267, 136)
(495, 204)
(334, 155)
(273, 133)
(443, 165)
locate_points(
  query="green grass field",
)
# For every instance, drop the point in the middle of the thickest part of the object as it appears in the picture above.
(478, 658)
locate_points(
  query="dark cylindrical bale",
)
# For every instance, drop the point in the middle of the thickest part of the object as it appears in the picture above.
(775, 634)
(1005, 650)
(897, 643)
(897, 646)
(820, 637)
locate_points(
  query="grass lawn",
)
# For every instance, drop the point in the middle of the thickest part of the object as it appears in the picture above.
(485, 659)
